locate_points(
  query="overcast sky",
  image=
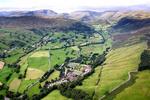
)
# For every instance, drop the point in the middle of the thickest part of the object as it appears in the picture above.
(67, 5)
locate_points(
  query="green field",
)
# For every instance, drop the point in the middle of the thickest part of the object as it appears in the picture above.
(140, 90)
(24, 84)
(55, 95)
(40, 63)
(97, 48)
(53, 76)
(33, 90)
(33, 73)
(4, 73)
(14, 85)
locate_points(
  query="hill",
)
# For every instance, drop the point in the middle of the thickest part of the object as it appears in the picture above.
(28, 13)
(127, 24)
(103, 16)
(55, 24)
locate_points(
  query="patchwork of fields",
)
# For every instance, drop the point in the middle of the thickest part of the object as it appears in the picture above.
(109, 75)
(36, 63)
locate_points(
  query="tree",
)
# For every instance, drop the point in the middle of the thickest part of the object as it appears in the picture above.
(145, 60)
(20, 76)
(67, 59)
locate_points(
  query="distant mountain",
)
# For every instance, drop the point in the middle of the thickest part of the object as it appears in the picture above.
(28, 13)
(103, 16)
(84, 15)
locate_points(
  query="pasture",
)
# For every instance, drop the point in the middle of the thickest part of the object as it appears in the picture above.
(33, 73)
(140, 90)
(55, 95)
(14, 85)
(40, 54)
(24, 85)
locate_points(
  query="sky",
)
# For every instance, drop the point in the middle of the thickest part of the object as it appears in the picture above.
(67, 5)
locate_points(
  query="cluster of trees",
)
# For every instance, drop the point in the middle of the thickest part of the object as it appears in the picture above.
(75, 94)
(98, 60)
(145, 60)
(3, 87)
(46, 75)
(4, 55)
(93, 59)
(67, 89)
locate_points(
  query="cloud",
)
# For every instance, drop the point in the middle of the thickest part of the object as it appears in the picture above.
(67, 5)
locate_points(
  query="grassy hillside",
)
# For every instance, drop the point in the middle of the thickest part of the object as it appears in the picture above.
(116, 67)
(139, 90)
(115, 70)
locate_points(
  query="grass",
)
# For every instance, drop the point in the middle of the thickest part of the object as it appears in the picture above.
(139, 90)
(40, 63)
(98, 48)
(24, 84)
(33, 90)
(15, 55)
(59, 56)
(54, 75)
(24, 63)
(40, 54)
(33, 73)
(4, 73)
(55, 95)
(75, 48)
(14, 85)
(13, 76)
(119, 62)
